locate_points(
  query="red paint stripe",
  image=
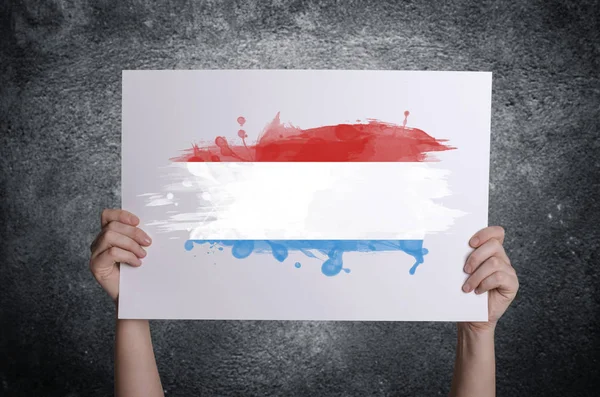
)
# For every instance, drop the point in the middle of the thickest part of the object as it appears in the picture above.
(373, 141)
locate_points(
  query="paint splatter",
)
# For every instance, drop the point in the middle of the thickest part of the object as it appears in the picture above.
(334, 249)
(359, 142)
(371, 141)
(298, 265)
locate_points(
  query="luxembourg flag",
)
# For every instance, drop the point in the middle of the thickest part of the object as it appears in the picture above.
(319, 190)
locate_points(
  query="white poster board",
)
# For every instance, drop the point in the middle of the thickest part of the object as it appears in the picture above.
(305, 195)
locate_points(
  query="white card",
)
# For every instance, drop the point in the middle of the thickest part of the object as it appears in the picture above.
(305, 195)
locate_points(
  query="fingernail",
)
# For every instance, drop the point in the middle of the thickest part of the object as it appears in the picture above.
(474, 241)
(147, 240)
(134, 219)
(467, 269)
(477, 291)
(143, 252)
(466, 288)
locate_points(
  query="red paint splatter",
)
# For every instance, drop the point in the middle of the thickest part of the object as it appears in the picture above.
(372, 141)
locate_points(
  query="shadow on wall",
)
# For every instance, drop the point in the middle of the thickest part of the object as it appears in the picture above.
(43, 349)
(38, 360)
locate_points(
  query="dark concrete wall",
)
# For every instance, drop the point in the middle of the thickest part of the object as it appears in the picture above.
(61, 63)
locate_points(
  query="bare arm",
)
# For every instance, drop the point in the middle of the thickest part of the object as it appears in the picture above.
(136, 373)
(121, 242)
(475, 365)
(491, 271)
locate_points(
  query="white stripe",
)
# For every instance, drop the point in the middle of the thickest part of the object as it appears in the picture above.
(296, 201)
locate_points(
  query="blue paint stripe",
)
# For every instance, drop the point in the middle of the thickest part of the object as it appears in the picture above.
(334, 249)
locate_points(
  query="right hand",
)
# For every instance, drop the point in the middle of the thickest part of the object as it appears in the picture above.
(119, 241)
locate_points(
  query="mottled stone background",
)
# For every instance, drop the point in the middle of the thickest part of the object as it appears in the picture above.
(60, 105)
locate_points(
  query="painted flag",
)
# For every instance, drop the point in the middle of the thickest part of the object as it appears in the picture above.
(323, 191)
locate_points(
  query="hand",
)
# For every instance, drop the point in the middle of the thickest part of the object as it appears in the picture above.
(119, 241)
(490, 270)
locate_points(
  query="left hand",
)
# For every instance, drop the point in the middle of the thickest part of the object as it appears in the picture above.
(490, 270)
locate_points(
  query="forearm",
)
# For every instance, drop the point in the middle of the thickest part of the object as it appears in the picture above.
(475, 365)
(136, 373)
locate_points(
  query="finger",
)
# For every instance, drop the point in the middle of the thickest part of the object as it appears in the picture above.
(489, 249)
(111, 238)
(132, 232)
(114, 255)
(135, 233)
(506, 283)
(122, 216)
(491, 265)
(487, 233)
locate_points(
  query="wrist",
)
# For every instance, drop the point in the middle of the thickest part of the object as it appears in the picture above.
(476, 330)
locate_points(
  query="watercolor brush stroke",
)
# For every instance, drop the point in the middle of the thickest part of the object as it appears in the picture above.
(361, 142)
(294, 189)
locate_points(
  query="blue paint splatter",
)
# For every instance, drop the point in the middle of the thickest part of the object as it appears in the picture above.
(242, 248)
(279, 251)
(334, 249)
(298, 265)
(333, 265)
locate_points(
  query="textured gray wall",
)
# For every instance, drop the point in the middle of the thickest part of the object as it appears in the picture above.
(61, 63)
